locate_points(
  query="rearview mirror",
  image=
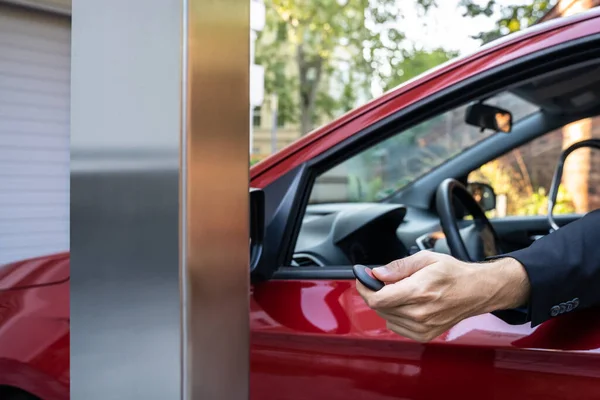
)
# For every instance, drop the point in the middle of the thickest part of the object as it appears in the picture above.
(489, 117)
(483, 194)
(257, 225)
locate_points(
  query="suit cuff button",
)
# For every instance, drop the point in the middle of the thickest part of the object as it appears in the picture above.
(563, 308)
(554, 311)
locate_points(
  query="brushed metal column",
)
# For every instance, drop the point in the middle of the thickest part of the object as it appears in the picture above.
(159, 213)
(215, 275)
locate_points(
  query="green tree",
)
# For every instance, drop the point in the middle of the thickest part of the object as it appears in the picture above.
(305, 42)
(511, 18)
(414, 62)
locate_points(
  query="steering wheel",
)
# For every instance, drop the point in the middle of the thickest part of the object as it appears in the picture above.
(471, 242)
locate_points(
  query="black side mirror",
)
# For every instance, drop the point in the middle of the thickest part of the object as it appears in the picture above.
(257, 225)
(489, 117)
(483, 194)
(553, 194)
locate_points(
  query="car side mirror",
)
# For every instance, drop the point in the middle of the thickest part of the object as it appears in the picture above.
(485, 116)
(483, 194)
(553, 194)
(257, 225)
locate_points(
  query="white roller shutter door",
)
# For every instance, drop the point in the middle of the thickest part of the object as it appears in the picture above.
(34, 133)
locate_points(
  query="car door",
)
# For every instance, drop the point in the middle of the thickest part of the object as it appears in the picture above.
(312, 336)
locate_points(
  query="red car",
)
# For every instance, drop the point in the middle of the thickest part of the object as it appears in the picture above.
(362, 190)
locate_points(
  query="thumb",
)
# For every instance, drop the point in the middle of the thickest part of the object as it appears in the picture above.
(405, 267)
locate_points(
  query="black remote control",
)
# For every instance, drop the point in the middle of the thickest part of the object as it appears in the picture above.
(365, 276)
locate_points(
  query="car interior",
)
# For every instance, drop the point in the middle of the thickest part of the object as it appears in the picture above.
(416, 190)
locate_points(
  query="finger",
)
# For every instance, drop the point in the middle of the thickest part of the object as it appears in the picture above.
(405, 267)
(369, 296)
(392, 295)
(406, 323)
(407, 333)
(364, 291)
(416, 313)
(419, 337)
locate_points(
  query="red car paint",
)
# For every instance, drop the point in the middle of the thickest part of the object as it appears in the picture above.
(34, 326)
(35, 272)
(317, 339)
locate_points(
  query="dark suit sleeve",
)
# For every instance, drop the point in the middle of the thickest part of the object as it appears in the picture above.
(564, 272)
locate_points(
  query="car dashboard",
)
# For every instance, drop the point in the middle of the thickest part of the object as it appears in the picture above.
(365, 233)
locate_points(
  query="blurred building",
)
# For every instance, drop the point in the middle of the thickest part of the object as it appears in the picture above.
(257, 72)
(271, 136)
(564, 8)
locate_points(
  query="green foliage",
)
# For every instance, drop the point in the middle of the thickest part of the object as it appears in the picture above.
(375, 187)
(325, 106)
(524, 198)
(349, 98)
(254, 160)
(413, 63)
(308, 46)
(512, 17)
(537, 204)
(278, 81)
(564, 202)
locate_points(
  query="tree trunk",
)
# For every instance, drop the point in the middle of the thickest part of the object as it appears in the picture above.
(306, 122)
(308, 88)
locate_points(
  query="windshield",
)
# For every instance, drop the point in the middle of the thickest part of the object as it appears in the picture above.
(401, 159)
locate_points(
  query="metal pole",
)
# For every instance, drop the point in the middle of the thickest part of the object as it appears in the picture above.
(214, 193)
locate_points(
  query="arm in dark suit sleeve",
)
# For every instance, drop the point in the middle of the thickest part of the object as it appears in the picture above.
(563, 269)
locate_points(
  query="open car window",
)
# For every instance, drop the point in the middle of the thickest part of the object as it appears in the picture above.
(522, 178)
(381, 170)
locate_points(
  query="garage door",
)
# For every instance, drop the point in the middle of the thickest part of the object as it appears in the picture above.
(34, 133)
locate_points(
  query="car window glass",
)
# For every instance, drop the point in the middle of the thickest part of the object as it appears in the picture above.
(521, 179)
(401, 159)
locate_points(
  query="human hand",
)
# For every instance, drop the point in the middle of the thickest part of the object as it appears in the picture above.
(428, 293)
